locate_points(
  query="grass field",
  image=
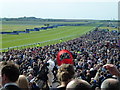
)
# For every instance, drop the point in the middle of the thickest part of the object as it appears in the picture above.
(110, 28)
(11, 27)
(44, 37)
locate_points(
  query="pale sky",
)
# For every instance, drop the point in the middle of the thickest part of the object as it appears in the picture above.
(60, 9)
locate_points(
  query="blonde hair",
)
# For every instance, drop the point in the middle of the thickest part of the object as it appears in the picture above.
(23, 82)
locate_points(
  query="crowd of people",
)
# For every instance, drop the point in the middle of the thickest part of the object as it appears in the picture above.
(93, 54)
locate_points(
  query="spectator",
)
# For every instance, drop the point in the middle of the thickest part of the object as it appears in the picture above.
(112, 69)
(65, 75)
(90, 51)
(42, 77)
(78, 84)
(0, 75)
(23, 82)
(110, 84)
(10, 74)
(50, 73)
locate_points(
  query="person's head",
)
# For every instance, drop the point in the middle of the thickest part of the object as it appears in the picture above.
(9, 72)
(65, 72)
(78, 84)
(23, 82)
(110, 84)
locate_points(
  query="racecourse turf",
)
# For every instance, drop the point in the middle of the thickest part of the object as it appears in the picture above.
(44, 37)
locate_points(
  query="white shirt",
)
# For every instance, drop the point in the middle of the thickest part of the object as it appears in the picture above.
(51, 64)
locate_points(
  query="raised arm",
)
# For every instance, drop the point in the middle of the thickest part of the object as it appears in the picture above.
(112, 69)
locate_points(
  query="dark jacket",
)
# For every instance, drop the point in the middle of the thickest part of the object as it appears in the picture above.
(42, 74)
(11, 87)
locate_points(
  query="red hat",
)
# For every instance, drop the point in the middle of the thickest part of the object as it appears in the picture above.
(64, 61)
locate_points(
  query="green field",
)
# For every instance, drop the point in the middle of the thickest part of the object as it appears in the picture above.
(110, 28)
(12, 27)
(44, 37)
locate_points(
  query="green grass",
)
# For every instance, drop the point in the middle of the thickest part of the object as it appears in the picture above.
(110, 28)
(13, 27)
(44, 37)
(67, 33)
